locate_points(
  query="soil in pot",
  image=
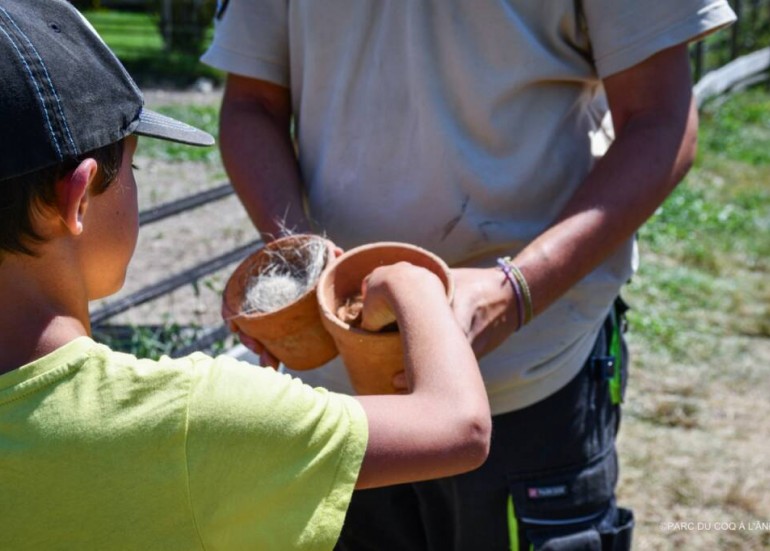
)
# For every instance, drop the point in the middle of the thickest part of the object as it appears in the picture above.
(371, 359)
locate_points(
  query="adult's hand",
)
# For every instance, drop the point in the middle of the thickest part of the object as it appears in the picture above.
(484, 306)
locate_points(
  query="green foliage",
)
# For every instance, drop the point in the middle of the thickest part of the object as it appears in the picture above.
(751, 32)
(706, 250)
(137, 41)
(185, 24)
(205, 117)
(154, 341)
(738, 129)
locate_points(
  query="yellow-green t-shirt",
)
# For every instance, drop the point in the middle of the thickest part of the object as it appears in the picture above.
(100, 450)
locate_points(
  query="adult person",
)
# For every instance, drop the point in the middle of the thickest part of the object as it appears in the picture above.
(474, 129)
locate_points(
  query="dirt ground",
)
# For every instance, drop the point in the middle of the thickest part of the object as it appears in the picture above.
(695, 441)
(169, 246)
(694, 449)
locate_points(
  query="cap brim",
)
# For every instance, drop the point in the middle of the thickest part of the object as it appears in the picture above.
(155, 125)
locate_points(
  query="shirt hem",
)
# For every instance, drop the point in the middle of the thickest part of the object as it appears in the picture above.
(247, 66)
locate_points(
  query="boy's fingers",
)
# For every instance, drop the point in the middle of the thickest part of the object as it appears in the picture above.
(376, 320)
(376, 312)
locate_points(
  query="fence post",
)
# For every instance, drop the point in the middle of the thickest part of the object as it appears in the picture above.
(698, 53)
(168, 23)
(734, 32)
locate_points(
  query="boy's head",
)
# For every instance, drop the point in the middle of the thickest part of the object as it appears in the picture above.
(64, 97)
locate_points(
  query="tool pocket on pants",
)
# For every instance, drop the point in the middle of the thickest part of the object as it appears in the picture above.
(569, 510)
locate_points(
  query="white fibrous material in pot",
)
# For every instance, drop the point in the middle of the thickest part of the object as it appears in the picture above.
(286, 276)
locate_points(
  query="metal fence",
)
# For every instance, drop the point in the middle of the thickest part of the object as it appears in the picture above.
(203, 338)
(750, 33)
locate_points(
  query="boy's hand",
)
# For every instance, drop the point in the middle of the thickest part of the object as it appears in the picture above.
(377, 310)
(443, 377)
(388, 288)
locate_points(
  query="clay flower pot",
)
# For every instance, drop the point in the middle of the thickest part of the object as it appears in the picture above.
(371, 359)
(293, 333)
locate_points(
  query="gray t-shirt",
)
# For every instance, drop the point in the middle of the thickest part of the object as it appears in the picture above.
(463, 126)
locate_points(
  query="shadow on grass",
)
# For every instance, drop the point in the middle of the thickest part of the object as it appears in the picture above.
(172, 70)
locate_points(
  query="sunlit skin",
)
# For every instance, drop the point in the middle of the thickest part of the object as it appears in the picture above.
(90, 238)
(111, 233)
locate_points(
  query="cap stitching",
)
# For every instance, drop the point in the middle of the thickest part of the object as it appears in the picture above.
(52, 87)
(37, 86)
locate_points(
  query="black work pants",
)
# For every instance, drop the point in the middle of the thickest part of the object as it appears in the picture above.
(548, 483)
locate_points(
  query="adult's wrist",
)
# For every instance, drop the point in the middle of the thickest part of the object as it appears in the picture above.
(520, 287)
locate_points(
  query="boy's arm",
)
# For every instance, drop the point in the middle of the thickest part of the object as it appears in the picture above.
(259, 156)
(443, 427)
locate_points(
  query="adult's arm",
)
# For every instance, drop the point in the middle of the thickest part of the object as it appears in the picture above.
(259, 156)
(443, 426)
(655, 122)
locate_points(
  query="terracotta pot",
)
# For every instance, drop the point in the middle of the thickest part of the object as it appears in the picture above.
(294, 333)
(371, 359)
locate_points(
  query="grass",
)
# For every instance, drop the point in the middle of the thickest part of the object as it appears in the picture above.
(205, 117)
(706, 251)
(136, 40)
(154, 341)
(693, 446)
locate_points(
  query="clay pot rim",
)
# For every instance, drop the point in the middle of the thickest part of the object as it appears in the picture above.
(337, 322)
(246, 264)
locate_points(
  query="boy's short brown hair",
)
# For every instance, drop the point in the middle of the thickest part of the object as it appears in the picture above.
(64, 97)
(22, 196)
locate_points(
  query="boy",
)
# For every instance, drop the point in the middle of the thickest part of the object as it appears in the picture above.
(101, 450)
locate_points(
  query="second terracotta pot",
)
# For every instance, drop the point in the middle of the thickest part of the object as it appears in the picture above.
(293, 333)
(371, 359)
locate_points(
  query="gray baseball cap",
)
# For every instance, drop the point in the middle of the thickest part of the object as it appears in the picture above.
(64, 93)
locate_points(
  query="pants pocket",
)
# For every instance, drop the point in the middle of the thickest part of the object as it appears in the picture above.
(610, 530)
(617, 536)
(569, 510)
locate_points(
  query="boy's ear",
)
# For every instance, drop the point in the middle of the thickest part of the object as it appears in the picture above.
(72, 197)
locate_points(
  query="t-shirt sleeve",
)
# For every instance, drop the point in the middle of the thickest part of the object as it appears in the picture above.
(272, 462)
(625, 32)
(251, 39)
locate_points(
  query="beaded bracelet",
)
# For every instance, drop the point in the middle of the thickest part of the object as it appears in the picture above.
(521, 289)
(506, 268)
(525, 291)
